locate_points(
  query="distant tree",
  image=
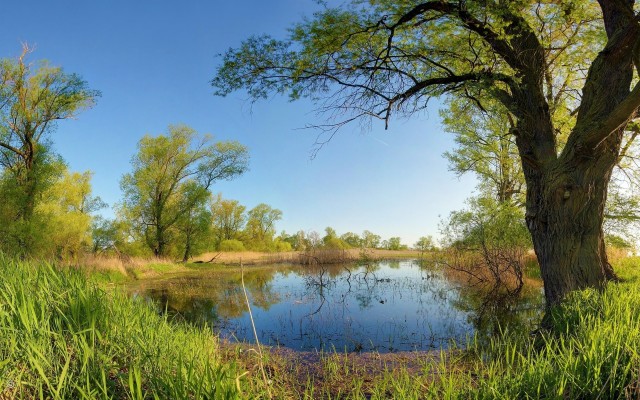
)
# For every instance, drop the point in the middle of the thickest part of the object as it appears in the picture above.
(485, 148)
(370, 240)
(487, 222)
(329, 234)
(32, 98)
(298, 241)
(424, 243)
(171, 178)
(260, 228)
(394, 243)
(352, 239)
(231, 245)
(313, 240)
(228, 218)
(105, 234)
(194, 225)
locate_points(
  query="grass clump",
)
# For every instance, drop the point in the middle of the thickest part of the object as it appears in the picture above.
(63, 337)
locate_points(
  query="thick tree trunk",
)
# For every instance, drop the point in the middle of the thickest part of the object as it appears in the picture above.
(565, 208)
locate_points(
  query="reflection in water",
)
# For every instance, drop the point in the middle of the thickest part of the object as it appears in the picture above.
(384, 306)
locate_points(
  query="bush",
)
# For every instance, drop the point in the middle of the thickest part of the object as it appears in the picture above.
(231, 245)
(336, 244)
(282, 246)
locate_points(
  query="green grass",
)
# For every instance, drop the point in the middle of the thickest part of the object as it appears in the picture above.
(591, 352)
(61, 336)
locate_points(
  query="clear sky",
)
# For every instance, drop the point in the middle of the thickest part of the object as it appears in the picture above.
(153, 60)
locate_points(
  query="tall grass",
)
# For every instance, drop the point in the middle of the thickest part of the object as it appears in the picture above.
(591, 352)
(63, 337)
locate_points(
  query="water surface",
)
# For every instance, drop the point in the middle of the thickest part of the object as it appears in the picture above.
(383, 306)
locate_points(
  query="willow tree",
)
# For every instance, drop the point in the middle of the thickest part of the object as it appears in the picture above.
(373, 59)
(33, 98)
(170, 183)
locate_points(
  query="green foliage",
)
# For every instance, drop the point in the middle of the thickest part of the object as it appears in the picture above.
(332, 241)
(62, 337)
(352, 239)
(170, 182)
(485, 147)
(393, 243)
(487, 222)
(231, 245)
(335, 243)
(65, 208)
(281, 245)
(260, 228)
(228, 219)
(384, 59)
(370, 240)
(424, 243)
(33, 96)
(298, 241)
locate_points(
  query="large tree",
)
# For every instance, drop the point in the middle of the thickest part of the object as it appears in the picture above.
(171, 178)
(380, 57)
(33, 97)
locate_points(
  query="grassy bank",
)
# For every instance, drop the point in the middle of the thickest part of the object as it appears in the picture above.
(592, 352)
(61, 336)
(116, 269)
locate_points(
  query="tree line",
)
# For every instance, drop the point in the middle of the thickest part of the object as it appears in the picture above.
(167, 208)
(551, 86)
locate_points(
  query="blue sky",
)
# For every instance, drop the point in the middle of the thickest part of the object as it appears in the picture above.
(153, 60)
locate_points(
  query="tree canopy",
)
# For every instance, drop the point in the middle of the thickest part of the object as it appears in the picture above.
(171, 178)
(33, 97)
(561, 73)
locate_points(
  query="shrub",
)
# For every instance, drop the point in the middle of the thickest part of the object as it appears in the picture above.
(231, 245)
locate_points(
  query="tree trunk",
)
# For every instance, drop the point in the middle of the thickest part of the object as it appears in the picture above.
(187, 247)
(159, 250)
(565, 207)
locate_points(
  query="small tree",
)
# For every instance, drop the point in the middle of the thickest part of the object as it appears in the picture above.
(228, 219)
(370, 240)
(352, 239)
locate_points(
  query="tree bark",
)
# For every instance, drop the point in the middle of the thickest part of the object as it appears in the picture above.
(565, 208)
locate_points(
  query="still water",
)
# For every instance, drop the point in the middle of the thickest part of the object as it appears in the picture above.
(384, 306)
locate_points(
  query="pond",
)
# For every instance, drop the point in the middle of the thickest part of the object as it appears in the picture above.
(383, 306)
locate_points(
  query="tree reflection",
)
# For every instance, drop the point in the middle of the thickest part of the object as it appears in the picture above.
(219, 294)
(371, 306)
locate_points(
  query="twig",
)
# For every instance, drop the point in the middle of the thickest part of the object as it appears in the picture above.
(255, 333)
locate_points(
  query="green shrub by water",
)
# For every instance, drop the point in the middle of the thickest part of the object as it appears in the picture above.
(63, 337)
